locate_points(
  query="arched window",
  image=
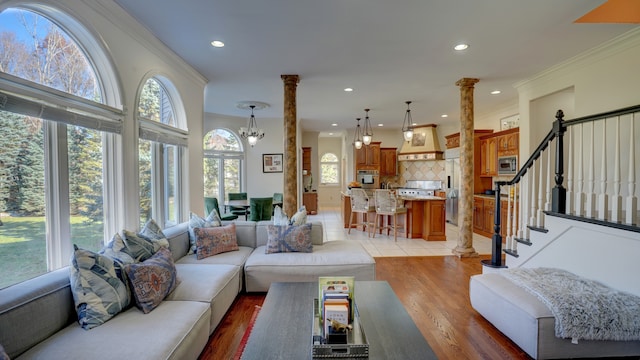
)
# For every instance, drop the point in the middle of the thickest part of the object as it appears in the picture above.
(161, 149)
(54, 193)
(223, 157)
(329, 169)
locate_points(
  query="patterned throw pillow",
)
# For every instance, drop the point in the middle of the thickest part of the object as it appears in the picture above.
(99, 291)
(115, 249)
(300, 217)
(216, 240)
(196, 221)
(152, 280)
(289, 239)
(147, 242)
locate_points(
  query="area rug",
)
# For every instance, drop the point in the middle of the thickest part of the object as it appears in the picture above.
(245, 337)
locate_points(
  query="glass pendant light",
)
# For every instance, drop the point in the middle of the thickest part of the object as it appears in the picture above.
(357, 142)
(368, 134)
(252, 133)
(407, 125)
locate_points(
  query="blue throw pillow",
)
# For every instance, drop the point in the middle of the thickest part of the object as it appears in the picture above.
(289, 239)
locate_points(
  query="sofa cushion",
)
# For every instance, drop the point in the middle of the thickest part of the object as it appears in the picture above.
(134, 335)
(300, 217)
(212, 241)
(152, 280)
(289, 239)
(196, 221)
(99, 288)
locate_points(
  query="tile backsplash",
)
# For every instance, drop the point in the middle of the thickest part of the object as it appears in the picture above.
(421, 170)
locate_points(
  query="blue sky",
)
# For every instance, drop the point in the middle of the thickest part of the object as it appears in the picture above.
(9, 21)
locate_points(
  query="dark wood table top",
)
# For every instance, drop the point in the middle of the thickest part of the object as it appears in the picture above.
(283, 327)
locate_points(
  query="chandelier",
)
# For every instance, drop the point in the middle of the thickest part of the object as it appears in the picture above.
(357, 142)
(252, 133)
(407, 125)
(367, 134)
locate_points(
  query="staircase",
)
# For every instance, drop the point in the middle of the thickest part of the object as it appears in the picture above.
(588, 224)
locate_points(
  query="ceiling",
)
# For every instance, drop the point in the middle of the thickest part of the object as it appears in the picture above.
(387, 51)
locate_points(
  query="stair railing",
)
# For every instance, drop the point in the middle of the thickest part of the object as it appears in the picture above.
(529, 205)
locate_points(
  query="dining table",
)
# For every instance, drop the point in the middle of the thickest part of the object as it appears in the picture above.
(238, 203)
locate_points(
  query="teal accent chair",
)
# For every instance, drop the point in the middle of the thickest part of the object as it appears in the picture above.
(278, 199)
(211, 203)
(237, 210)
(260, 209)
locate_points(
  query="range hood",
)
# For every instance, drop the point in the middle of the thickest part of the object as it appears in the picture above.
(423, 146)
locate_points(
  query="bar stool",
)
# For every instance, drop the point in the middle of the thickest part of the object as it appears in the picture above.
(387, 205)
(360, 205)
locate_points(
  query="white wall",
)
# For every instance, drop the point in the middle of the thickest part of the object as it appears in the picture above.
(256, 183)
(135, 54)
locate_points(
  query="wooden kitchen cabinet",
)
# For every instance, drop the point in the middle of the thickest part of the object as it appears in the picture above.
(345, 209)
(368, 157)
(489, 206)
(478, 215)
(388, 161)
(306, 159)
(434, 225)
(483, 213)
(508, 142)
(489, 156)
(310, 201)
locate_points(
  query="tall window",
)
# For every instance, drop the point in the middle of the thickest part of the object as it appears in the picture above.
(223, 160)
(329, 174)
(161, 150)
(52, 192)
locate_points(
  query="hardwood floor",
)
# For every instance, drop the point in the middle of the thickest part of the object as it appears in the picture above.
(435, 292)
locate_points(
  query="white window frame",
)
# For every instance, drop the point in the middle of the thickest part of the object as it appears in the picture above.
(334, 163)
(222, 155)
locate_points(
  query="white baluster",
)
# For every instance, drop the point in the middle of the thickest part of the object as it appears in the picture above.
(508, 232)
(549, 177)
(591, 195)
(532, 187)
(570, 195)
(603, 198)
(522, 222)
(631, 207)
(579, 203)
(616, 199)
(541, 178)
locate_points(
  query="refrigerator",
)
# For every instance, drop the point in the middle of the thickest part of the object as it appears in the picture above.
(452, 182)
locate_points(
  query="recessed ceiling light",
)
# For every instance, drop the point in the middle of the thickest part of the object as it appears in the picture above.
(334, 124)
(380, 125)
(330, 134)
(348, 89)
(495, 92)
(444, 115)
(217, 43)
(414, 124)
(461, 47)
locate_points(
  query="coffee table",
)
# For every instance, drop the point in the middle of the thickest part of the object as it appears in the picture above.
(283, 327)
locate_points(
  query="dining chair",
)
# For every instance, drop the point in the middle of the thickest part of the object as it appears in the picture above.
(211, 203)
(260, 208)
(238, 210)
(360, 204)
(278, 198)
(387, 205)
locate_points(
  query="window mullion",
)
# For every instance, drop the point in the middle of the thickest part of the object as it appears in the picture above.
(58, 220)
(157, 183)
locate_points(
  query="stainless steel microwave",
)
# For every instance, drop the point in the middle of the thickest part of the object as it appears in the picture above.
(507, 165)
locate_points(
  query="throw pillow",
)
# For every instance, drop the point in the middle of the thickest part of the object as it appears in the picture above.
(216, 240)
(115, 249)
(3, 354)
(152, 280)
(196, 221)
(289, 239)
(98, 292)
(147, 242)
(300, 217)
(279, 217)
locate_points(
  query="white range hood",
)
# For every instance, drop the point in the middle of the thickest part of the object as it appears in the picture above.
(423, 146)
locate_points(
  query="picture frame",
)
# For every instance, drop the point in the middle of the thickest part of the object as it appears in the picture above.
(510, 122)
(271, 163)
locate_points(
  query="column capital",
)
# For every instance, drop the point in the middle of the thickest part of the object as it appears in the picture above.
(467, 82)
(290, 79)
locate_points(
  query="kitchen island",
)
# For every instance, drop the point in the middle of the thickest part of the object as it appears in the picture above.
(425, 217)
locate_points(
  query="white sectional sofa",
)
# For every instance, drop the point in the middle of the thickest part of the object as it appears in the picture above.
(38, 319)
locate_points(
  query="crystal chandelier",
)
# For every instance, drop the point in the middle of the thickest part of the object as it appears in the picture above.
(252, 133)
(357, 142)
(407, 125)
(367, 134)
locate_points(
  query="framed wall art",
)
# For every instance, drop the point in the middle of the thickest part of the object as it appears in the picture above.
(271, 163)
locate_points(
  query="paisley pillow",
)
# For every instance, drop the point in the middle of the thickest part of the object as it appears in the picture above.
(152, 280)
(196, 221)
(216, 240)
(289, 239)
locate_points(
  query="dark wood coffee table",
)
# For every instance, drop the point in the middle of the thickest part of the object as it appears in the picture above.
(283, 327)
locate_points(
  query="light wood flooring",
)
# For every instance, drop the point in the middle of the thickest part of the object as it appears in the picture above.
(435, 292)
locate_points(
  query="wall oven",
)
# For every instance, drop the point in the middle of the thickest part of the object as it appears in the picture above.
(369, 179)
(507, 165)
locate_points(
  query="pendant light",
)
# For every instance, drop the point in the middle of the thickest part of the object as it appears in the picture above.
(367, 134)
(357, 142)
(252, 133)
(407, 125)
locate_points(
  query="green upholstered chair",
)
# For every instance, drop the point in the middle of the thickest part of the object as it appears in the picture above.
(260, 209)
(278, 199)
(237, 210)
(211, 203)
